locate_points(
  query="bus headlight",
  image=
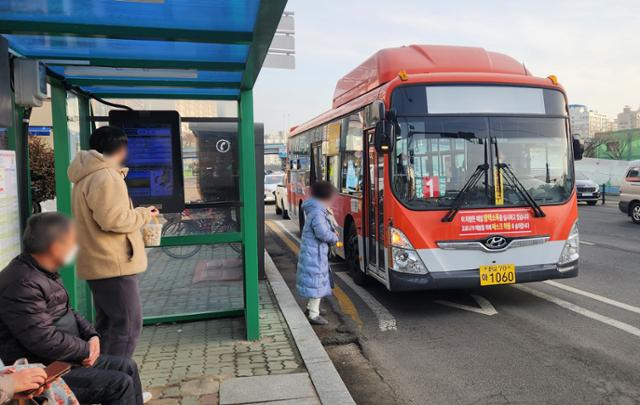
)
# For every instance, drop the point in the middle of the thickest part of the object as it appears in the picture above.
(571, 250)
(404, 257)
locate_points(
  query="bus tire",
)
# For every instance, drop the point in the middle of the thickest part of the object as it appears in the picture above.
(352, 256)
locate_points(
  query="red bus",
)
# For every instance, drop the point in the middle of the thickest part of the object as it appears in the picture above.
(454, 167)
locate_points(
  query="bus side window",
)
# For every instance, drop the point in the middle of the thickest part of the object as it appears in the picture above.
(352, 155)
(332, 152)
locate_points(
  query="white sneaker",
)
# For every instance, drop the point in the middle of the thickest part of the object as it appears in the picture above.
(146, 397)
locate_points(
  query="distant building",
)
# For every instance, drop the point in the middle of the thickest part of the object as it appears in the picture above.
(587, 123)
(274, 137)
(628, 118)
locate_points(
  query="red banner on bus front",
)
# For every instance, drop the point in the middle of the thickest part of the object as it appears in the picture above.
(504, 222)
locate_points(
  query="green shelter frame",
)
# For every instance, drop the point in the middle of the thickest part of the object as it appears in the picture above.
(19, 24)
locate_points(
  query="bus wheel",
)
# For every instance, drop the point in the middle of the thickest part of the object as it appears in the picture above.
(352, 255)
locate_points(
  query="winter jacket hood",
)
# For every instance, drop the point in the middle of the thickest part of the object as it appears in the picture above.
(87, 162)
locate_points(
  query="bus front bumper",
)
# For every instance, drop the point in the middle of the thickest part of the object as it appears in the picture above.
(449, 280)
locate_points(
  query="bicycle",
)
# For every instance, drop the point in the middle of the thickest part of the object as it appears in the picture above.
(192, 223)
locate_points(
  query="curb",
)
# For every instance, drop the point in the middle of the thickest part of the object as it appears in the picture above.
(324, 376)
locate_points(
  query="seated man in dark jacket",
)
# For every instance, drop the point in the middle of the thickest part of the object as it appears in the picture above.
(37, 323)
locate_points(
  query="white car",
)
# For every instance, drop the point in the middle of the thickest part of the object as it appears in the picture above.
(282, 202)
(270, 183)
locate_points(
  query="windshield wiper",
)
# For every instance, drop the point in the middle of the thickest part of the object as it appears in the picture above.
(517, 185)
(459, 200)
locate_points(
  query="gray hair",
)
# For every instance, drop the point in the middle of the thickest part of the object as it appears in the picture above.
(44, 229)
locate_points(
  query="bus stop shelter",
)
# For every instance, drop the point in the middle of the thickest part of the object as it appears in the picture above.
(147, 49)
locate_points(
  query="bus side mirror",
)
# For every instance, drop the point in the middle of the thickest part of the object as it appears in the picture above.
(382, 136)
(377, 111)
(578, 148)
(385, 132)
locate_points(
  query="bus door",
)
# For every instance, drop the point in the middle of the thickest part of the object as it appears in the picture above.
(317, 166)
(374, 221)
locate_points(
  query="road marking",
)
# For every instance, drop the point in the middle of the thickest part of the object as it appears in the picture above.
(584, 242)
(284, 228)
(386, 321)
(580, 310)
(346, 304)
(294, 248)
(596, 297)
(484, 306)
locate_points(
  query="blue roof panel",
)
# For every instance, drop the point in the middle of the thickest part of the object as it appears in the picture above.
(210, 15)
(45, 46)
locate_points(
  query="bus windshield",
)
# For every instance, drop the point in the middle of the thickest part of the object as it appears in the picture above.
(435, 156)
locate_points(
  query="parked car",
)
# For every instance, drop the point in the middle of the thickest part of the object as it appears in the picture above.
(270, 183)
(282, 201)
(630, 192)
(588, 190)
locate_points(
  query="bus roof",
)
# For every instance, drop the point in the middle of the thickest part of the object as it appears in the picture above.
(385, 65)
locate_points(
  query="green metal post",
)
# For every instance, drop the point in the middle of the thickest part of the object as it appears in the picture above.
(62, 158)
(84, 110)
(19, 142)
(249, 223)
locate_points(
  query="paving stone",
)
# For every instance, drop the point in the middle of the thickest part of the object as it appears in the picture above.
(213, 349)
(165, 401)
(210, 399)
(200, 386)
(189, 401)
(265, 388)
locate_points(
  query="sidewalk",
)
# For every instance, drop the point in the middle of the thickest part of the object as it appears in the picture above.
(209, 362)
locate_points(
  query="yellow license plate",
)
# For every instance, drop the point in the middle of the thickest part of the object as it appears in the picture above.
(497, 274)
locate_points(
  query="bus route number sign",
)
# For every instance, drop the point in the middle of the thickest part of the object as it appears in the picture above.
(430, 187)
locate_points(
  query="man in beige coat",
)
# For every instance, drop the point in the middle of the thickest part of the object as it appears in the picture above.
(111, 250)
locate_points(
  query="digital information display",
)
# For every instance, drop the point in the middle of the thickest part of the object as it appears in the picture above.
(154, 159)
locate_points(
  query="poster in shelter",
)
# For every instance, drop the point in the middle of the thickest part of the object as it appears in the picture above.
(9, 211)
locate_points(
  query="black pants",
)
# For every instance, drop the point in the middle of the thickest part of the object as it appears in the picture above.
(111, 381)
(118, 314)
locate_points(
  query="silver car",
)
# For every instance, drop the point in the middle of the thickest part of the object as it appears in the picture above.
(588, 190)
(630, 192)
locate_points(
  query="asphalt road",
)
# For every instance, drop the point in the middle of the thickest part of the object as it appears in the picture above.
(573, 342)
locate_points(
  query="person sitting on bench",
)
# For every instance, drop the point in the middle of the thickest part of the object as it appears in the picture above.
(38, 324)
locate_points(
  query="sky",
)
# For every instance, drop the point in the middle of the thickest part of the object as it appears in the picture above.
(592, 46)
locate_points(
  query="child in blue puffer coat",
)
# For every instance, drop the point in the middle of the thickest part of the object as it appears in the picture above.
(313, 278)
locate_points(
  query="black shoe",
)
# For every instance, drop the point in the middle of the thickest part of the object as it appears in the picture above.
(318, 320)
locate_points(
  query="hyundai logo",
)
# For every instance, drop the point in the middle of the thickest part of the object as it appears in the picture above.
(495, 242)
